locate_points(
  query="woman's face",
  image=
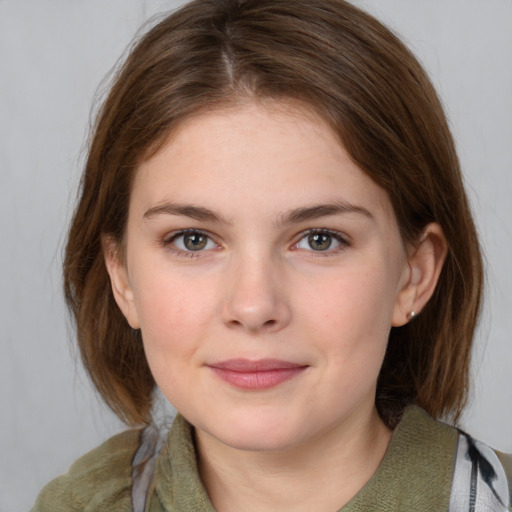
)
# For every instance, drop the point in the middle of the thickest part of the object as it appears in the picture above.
(265, 271)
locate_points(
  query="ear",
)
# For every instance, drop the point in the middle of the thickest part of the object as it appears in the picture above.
(425, 263)
(121, 289)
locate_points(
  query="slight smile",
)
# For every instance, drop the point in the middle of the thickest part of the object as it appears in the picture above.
(256, 375)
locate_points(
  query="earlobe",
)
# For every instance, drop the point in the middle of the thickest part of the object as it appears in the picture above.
(119, 281)
(425, 263)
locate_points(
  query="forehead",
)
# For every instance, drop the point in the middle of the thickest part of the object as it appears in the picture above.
(256, 155)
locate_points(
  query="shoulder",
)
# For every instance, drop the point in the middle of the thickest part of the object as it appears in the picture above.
(99, 481)
(482, 478)
(506, 462)
(472, 475)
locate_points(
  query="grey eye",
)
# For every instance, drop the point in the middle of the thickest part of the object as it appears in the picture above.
(320, 241)
(193, 241)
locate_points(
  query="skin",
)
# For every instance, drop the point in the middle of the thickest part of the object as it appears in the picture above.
(258, 289)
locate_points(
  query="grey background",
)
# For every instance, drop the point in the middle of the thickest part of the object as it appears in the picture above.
(53, 55)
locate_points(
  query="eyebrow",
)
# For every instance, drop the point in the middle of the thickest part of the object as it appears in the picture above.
(293, 216)
(185, 210)
(321, 210)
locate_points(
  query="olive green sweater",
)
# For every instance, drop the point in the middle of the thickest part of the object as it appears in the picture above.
(415, 474)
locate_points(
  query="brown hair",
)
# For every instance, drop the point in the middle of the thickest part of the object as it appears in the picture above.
(368, 87)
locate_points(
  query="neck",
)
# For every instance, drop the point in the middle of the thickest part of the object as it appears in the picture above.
(322, 474)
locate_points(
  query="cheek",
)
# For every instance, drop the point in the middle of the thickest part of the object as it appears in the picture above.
(351, 303)
(172, 314)
(350, 317)
(171, 319)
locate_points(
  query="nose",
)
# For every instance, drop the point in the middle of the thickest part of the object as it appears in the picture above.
(255, 298)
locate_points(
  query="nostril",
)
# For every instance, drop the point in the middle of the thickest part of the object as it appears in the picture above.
(265, 325)
(255, 312)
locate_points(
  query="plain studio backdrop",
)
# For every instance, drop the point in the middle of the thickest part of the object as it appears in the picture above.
(54, 54)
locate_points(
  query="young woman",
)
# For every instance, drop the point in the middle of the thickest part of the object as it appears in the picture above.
(273, 230)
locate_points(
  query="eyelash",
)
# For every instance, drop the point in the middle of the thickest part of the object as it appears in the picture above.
(169, 242)
(337, 236)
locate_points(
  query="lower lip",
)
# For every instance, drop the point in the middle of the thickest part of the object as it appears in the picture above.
(258, 380)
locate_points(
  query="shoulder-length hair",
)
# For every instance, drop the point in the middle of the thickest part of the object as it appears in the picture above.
(363, 81)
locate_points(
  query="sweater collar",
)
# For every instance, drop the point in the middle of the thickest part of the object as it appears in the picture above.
(414, 475)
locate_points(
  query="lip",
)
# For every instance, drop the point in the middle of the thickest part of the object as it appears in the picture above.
(256, 374)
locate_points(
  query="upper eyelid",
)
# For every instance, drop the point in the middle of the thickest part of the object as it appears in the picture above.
(342, 240)
(333, 232)
(168, 242)
(301, 233)
(180, 232)
(342, 237)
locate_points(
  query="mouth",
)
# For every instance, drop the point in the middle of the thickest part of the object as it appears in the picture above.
(256, 375)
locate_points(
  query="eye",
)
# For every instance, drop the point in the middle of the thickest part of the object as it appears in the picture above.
(191, 241)
(321, 241)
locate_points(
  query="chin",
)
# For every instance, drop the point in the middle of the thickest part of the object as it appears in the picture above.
(257, 433)
(260, 441)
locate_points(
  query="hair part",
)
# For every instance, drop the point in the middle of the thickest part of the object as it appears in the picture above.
(369, 88)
